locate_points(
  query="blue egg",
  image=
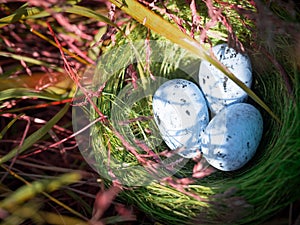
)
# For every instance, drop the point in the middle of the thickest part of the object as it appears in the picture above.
(231, 138)
(181, 114)
(218, 89)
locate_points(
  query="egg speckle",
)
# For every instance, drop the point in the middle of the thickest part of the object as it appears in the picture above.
(231, 138)
(181, 114)
(219, 90)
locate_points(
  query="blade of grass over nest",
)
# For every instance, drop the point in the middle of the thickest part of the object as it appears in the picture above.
(156, 23)
(36, 136)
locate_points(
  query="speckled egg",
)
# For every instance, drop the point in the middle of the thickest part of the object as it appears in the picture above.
(231, 138)
(218, 89)
(181, 114)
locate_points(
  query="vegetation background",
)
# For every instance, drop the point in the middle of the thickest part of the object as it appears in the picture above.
(45, 47)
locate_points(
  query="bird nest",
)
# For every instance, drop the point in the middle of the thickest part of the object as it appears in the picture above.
(122, 141)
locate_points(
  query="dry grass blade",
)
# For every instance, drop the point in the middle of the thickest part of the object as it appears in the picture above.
(171, 32)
